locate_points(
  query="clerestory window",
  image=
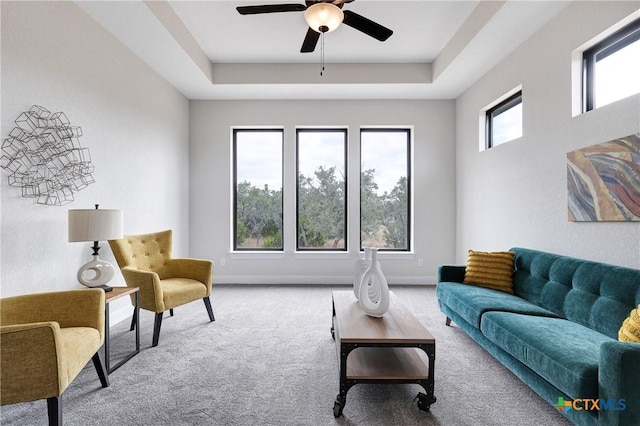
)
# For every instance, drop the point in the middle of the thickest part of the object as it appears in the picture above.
(610, 68)
(503, 122)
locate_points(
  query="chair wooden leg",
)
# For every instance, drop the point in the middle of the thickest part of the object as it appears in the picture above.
(447, 321)
(54, 410)
(207, 304)
(133, 320)
(171, 312)
(100, 369)
(156, 328)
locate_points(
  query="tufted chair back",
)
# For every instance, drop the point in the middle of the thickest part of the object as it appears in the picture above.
(146, 252)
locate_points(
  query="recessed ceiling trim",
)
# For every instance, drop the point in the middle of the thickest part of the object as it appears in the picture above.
(310, 74)
(174, 25)
(479, 17)
(165, 36)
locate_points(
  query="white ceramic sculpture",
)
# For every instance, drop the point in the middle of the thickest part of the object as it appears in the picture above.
(361, 267)
(373, 294)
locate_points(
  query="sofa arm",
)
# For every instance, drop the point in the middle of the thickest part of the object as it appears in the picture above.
(28, 362)
(618, 377)
(451, 273)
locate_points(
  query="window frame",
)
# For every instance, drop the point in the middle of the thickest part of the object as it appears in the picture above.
(343, 130)
(617, 41)
(409, 134)
(502, 106)
(234, 203)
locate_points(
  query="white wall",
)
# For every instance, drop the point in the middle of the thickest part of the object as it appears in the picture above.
(434, 172)
(137, 129)
(135, 126)
(516, 194)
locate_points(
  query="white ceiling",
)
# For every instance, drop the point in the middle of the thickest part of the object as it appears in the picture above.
(207, 50)
(277, 37)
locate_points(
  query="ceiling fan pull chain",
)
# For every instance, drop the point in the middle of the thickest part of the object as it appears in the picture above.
(322, 54)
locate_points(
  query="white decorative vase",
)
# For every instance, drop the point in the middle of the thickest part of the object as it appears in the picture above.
(373, 294)
(361, 267)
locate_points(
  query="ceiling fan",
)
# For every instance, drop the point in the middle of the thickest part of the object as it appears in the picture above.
(323, 16)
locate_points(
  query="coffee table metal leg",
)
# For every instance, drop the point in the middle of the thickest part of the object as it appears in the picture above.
(425, 400)
(345, 384)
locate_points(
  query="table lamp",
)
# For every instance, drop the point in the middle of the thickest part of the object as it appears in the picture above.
(95, 225)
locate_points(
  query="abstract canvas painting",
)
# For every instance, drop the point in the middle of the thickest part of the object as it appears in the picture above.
(603, 181)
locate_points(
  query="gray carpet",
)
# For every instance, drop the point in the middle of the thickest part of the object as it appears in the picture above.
(269, 359)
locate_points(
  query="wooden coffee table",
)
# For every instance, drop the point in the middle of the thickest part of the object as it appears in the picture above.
(381, 350)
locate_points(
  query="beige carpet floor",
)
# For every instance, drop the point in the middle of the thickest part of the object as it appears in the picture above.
(269, 359)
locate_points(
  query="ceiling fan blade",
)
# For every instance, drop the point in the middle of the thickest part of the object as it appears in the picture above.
(366, 25)
(310, 41)
(270, 8)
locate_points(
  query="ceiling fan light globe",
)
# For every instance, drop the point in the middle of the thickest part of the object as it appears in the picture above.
(323, 17)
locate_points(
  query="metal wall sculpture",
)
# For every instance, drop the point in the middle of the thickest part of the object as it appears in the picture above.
(603, 181)
(43, 157)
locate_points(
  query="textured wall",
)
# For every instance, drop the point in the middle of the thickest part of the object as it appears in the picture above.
(516, 194)
(56, 56)
(211, 123)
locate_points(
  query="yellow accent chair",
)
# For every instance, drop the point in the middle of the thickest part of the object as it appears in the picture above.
(46, 339)
(165, 282)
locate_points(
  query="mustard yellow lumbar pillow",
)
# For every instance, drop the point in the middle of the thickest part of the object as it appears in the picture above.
(490, 269)
(630, 330)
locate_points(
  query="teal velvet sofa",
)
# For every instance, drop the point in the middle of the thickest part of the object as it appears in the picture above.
(558, 332)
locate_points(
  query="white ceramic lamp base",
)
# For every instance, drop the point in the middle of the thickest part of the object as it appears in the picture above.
(102, 272)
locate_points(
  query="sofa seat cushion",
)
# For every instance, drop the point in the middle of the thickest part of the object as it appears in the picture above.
(471, 302)
(564, 353)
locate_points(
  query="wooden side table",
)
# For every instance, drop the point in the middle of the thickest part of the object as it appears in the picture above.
(110, 296)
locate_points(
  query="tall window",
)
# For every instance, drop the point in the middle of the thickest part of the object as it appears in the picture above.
(504, 121)
(611, 68)
(385, 179)
(321, 168)
(257, 180)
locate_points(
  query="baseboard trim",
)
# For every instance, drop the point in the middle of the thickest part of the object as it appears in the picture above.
(124, 313)
(316, 279)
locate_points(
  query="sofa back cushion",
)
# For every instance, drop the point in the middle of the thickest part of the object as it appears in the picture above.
(596, 295)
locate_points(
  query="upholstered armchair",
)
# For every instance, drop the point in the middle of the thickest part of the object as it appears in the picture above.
(46, 339)
(165, 283)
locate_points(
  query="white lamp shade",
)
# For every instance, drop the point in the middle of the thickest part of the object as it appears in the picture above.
(95, 225)
(323, 15)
